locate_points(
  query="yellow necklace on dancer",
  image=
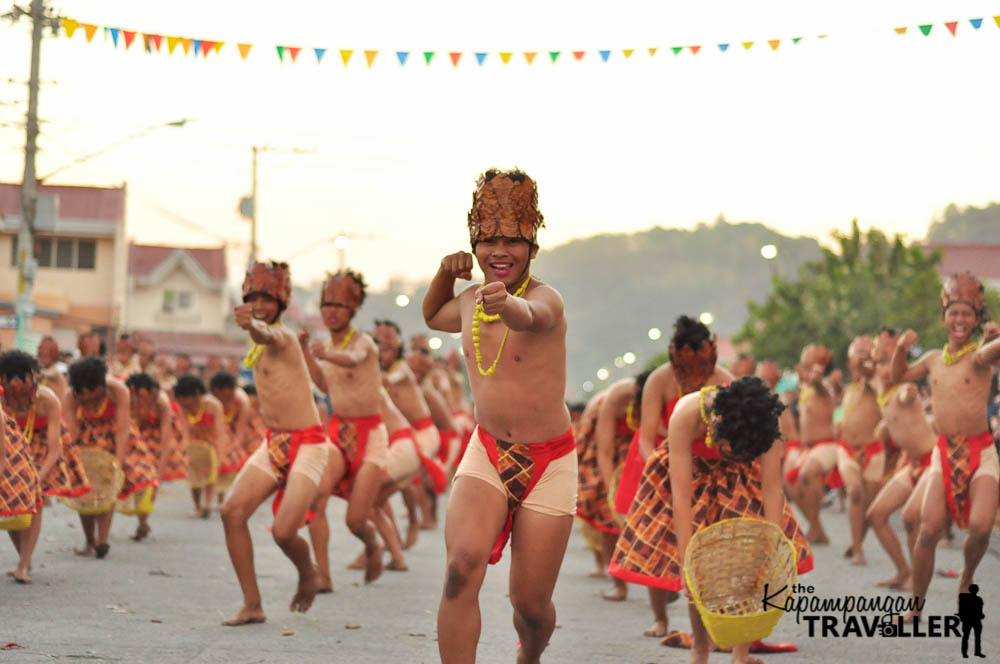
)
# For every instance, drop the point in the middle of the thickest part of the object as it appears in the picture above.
(630, 417)
(704, 414)
(886, 397)
(950, 359)
(194, 419)
(256, 351)
(806, 394)
(29, 426)
(480, 315)
(343, 345)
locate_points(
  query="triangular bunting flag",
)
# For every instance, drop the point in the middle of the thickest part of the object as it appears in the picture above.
(114, 36)
(172, 44)
(652, 50)
(676, 49)
(294, 52)
(926, 29)
(207, 47)
(370, 57)
(455, 57)
(822, 36)
(69, 25)
(186, 44)
(480, 57)
(605, 55)
(952, 27)
(796, 40)
(976, 22)
(723, 47)
(89, 30)
(345, 55)
(694, 49)
(244, 49)
(554, 55)
(197, 47)
(129, 37)
(218, 47)
(900, 31)
(997, 19)
(320, 52)
(773, 43)
(402, 56)
(157, 41)
(428, 56)
(281, 53)
(747, 45)
(505, 57)
(529, 56)
(579, 55)
(627, 52)
(145, 43)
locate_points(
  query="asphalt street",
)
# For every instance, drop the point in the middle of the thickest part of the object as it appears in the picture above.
(162, 600)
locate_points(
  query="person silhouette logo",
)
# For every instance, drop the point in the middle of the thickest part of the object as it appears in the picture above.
(970, 612)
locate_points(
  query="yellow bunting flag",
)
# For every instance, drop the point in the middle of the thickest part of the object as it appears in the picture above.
(345, 55)
(186, 43)
(172, 44)
(774, 43)
(900, 31)
(530, 56)
(69, 25)
(997, 19)
(218, 46)
(89, 30)
(747, 45)
(370, 57)
(628, 52)
(244, 50)
(652, 51)
(505, 57)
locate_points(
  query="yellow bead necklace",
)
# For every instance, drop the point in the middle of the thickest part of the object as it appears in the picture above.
(805, 394)
(194, 419)
(704, 413)
(29, 427)
(343, 344)
(886, 397)
(256, 351)
(480, 315)
(950, 359)
(630, 416)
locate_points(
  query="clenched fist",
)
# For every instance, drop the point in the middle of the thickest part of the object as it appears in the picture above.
(243, 315)
(908, 339)
(991, 331)
(457, 265)
(304, 339)
(493, 296)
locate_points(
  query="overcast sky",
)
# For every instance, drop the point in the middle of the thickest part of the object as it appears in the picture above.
(865, 123)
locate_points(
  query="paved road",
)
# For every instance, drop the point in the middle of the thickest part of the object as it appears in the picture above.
(162, 600)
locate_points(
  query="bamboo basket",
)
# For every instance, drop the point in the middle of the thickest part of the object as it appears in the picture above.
(202, 465)
(106, 480)
(15, 522)
(137, 503)
(726, 567)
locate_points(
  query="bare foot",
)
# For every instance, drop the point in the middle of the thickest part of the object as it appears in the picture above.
(597, 574)
(817, 538)
(907, 586)
(324, 584)
(849, 552)
(397, 565)
(373, 567)
(658, 629)
(616, 594)
(101, 550)
(86, 552)
(21, 575)
(246, 616)
(699, 656)
(206, 512)
(429, 524)
(755, 660)
(359, 562)
(412, 532)
(858, 560)
(196, 514)
(141, 533)
(895, 582)
(305, 593)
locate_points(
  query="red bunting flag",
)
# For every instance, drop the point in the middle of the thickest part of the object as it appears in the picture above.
(244, 50)
(694, 49)
(455, 57)
(206, 46)
(294, 52)
(952, 27)
(579, 55)
(129, 37)
(900, 31)
(157, 41)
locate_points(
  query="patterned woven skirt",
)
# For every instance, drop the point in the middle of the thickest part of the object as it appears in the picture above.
(593, 505)
(68, 477)
(140, 465)
(20, 492)
(176, 465)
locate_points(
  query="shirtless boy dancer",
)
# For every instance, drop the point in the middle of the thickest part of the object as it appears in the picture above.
(963, 473)
(347, 369)
(518, 475)
(293, 458)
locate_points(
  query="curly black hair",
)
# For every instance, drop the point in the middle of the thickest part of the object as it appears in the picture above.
(640, 382)
(222, 381)
(689, 332)
(356, 277)
(142, 381)
(747, 416)
(189, 386)
(89, 373)
(251, 390)
(18, 364)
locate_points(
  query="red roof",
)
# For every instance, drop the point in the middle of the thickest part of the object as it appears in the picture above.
(982, 260)
(93, 203)
(144, 258)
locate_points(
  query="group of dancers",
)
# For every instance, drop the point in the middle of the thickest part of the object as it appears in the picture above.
(645, 464)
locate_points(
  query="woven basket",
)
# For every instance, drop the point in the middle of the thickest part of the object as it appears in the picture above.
(202, 465)
(16, 522)
(106, 480)
(726, 568)
(137, 503)
(225, 482)
(616, 478)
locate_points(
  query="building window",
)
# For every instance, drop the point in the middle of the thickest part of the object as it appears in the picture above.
(62, 253)
(177, 301)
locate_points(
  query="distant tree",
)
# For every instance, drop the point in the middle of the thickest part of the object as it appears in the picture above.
(970, 225)
(867, 283)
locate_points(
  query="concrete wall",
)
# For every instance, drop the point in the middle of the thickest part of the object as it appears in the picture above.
(145, 306)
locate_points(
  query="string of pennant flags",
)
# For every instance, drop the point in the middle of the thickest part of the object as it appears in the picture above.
(189, 46)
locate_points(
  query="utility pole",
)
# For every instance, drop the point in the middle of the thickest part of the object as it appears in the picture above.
(248, 204)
